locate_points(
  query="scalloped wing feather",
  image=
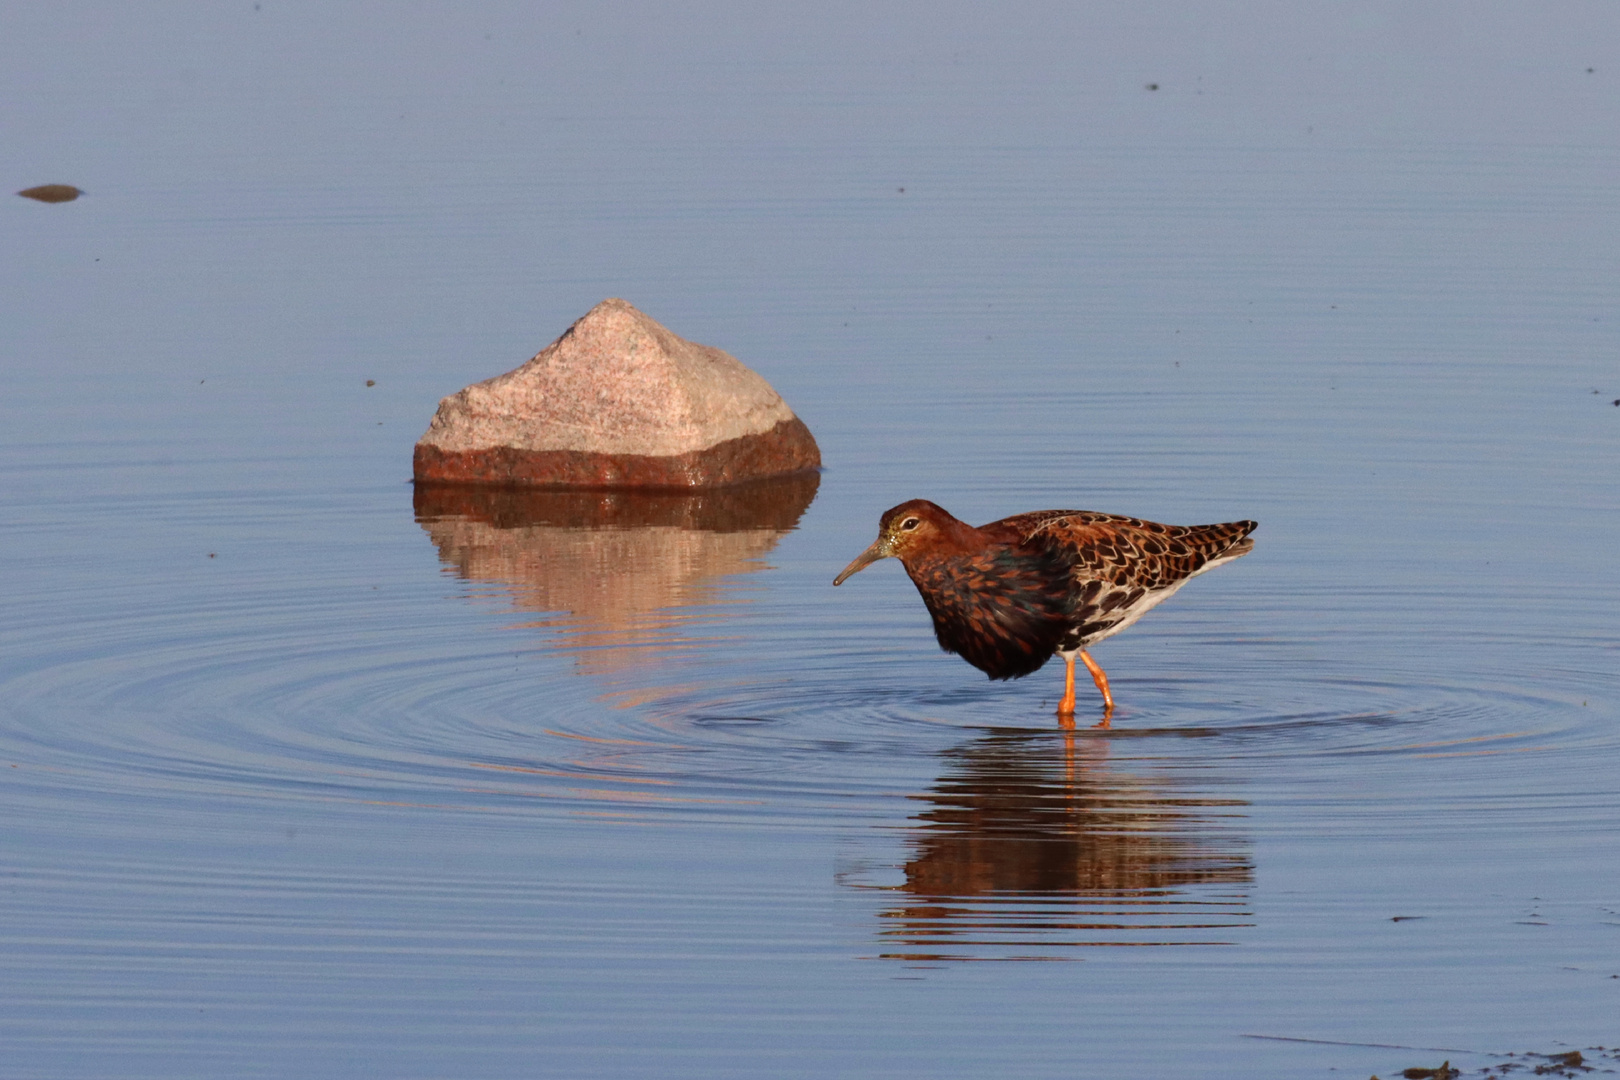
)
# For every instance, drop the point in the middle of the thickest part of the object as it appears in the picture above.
(1123, 567)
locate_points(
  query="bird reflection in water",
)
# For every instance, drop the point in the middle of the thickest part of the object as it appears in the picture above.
(614, 571)
(1033, 846)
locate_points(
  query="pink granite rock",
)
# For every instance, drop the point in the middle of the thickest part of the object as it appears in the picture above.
(617, 401)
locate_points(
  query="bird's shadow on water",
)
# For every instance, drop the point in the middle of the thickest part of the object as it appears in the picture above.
(1037, 846)
(1044, 841)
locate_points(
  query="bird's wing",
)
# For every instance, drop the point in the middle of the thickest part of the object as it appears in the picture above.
(1128, 551)
(1120, 567)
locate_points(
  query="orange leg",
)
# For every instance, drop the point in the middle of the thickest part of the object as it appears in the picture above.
(1066, 706)
(1097, 677)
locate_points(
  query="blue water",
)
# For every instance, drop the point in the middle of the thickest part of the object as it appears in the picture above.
(304, 773)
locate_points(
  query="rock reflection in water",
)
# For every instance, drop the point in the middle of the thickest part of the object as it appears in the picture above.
(616, 571)
(1033, 846)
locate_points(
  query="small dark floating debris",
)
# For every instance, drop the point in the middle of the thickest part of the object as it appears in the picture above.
(371, 382)
(1561, 1064)
(51, 193)
(1444, 1072)
(1406, 918)
(1152, 86)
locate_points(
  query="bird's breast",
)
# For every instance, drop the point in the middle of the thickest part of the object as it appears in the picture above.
(1002, 611)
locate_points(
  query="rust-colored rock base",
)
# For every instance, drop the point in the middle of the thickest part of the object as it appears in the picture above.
(786, 448)
(774, 505)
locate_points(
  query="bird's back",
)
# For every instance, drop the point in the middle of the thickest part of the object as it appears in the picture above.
(1121, 567)
(1111, 547)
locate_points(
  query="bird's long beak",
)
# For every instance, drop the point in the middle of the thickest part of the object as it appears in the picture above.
(878, 550)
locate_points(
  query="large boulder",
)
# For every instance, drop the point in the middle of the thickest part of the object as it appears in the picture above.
(617, 401)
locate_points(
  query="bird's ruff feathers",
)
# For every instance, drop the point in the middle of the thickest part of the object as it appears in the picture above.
(1003, 612)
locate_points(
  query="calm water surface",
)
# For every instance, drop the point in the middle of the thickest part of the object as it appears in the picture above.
(307, 772)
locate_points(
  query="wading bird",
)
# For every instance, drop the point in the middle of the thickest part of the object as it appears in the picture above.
(1007, 595)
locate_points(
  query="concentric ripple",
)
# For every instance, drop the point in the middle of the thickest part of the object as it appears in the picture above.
(328, 695)
(981, 830)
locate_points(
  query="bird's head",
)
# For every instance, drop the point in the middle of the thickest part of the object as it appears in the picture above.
(907, 529)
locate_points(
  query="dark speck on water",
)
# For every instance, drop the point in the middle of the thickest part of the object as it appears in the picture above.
(1443, 1071)
(51, 193)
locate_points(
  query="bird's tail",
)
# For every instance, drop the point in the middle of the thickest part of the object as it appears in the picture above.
(1222, 543)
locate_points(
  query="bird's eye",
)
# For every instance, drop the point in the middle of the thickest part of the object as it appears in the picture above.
(909, 524)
